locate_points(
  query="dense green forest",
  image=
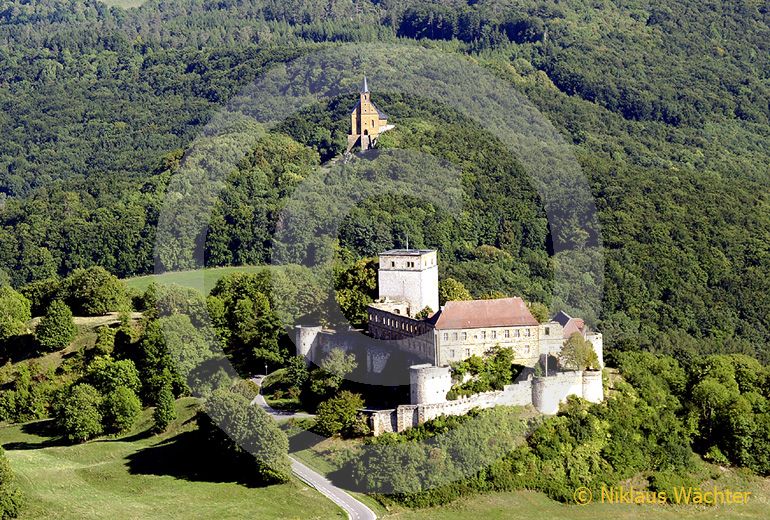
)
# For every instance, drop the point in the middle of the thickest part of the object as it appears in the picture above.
(666, 104)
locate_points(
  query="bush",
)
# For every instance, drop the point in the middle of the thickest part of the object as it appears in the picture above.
(340, 414)
(247, 388)
(29, 398)
(105, 341)
(11, 500)
(297, 373)
(667, 481)
(492, 372)
(56, 330)
(106, 374)
(120, 410)
(41, 293)
(79, 416)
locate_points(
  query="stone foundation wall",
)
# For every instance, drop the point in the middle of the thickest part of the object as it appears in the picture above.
(544, 393)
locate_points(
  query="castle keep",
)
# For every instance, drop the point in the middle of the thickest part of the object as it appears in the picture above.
(407, 318)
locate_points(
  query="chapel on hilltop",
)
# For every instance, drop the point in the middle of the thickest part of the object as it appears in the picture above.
(367, 121)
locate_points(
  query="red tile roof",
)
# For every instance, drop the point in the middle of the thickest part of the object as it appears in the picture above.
(574, 325)
(571, 325)
(476, 314)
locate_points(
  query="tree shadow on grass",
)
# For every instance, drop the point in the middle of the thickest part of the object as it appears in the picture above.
(188, 456)
(19, 348)
(45, 429)
(304, 440)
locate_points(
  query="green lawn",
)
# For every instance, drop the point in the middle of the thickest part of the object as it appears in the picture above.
(141, 476)
(202, 280)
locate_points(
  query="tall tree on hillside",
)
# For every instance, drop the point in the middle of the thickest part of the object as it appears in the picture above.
(79, 417)
(238, 429)
(120, 409)
(14, 313)
(93, 292)
(164, 407)
(56, 330)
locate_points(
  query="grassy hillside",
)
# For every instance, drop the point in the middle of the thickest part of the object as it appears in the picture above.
(202, 280)
(143, 476)
(524, 505)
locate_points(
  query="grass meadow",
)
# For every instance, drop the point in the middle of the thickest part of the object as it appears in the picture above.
(202, 280)
(138, 476)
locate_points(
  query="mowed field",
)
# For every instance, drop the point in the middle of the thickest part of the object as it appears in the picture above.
(144, 477)
(202, 280)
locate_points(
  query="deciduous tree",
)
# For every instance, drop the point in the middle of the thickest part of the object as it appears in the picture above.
(56, 330)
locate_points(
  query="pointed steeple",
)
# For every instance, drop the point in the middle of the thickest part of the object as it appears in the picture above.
(365, 86)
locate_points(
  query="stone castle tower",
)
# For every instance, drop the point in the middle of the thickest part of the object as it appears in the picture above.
(409, 276)
(367, 121)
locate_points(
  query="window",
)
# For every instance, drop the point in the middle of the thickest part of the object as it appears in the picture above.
(452, 353)
(516, 333)
(446, 336)
(465, 336)
(393, 264)
(548, 331)
(467, 352)
(494, 334)
(454, 336)
(483, 334)
(526, 333)
(507, 333)
(526, 349)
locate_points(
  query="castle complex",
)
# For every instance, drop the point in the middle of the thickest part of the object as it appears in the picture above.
(403, 321)
(412, 340)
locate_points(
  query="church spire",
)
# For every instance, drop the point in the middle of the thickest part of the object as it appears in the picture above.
(365, 86)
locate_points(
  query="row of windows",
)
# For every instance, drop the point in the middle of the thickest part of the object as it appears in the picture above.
(413, 264)
(395, 324)
(524, 352)
(507, 333)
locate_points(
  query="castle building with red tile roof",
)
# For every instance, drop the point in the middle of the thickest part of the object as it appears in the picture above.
(408, 281)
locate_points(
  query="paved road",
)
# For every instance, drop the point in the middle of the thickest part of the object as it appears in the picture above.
(356, 510)
(277, 414)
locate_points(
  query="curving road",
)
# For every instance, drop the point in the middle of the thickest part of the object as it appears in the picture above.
(355, 509)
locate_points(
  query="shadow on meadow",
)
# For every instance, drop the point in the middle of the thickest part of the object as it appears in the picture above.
(45, 430)
(188, 456)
